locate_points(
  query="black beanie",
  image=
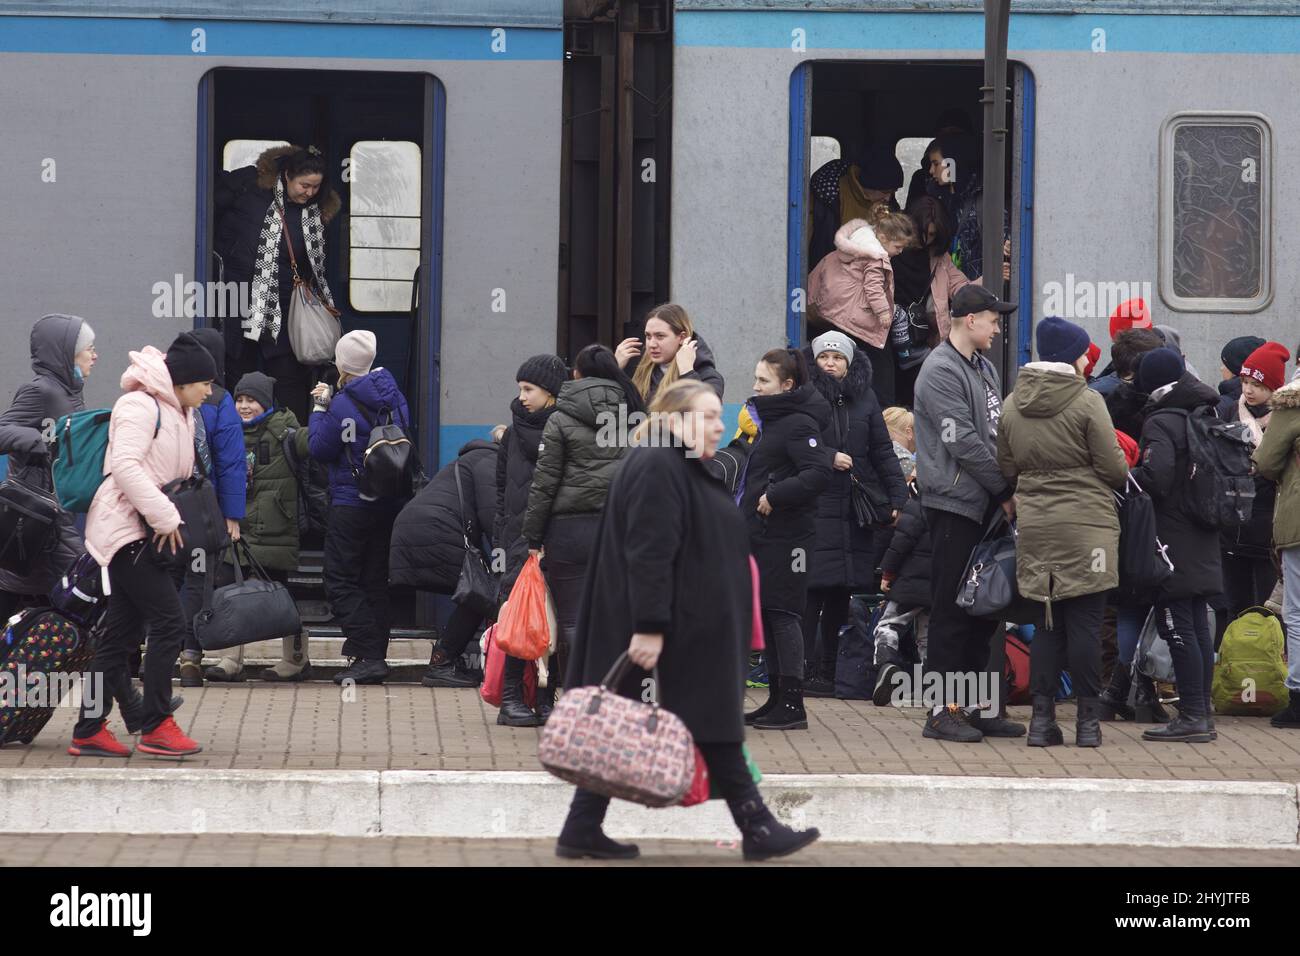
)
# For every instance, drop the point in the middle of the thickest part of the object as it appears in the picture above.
(1236, 352)
(544, 371)
(188, 361)
(1158, 368)
(259, 387)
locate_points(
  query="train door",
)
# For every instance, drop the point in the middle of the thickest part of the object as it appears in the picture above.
(842, 110)
(381, 138)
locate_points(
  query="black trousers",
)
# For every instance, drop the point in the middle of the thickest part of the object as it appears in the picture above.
(958, 644)
(1074, 637)
(727, 770)
(460, 629)
(783, 636)
(356, 577)
(828, 610)
(1247, 581)
(1185, 626)
(143, 595)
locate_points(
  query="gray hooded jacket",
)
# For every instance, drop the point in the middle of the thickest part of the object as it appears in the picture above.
(55, 392)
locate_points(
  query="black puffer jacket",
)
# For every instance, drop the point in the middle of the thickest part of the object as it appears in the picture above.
(790, 463)
(1194, 550)
(427, 548)
(1229, 392)
(1255, 538)
(582, 448)
(844, 555)
(1126, 406)
(907, 559)
(516, 460)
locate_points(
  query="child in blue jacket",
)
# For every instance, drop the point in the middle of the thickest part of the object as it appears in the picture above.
(220, 457)
(360, 529)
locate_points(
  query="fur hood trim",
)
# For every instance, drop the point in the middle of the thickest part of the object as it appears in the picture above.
(268, 168)
(856, 382)
(1288, 396)
(868, 246)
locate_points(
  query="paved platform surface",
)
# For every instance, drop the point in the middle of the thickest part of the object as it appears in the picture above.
(403, 727)
(80, 849)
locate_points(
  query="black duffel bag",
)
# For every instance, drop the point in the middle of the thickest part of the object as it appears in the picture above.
(252, 609)
(988, 588)
(202, 528)
(1144, 564)
(29, 525)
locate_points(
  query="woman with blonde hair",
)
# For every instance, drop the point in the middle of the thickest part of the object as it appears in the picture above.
(669, 586)
(852, 288)
(672, 351)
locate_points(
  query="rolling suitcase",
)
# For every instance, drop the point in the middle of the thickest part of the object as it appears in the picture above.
(43, 655)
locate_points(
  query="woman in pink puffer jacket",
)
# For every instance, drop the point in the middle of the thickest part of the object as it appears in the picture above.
(150, 443)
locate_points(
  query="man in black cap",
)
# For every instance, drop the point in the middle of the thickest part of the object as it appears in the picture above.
(958, 404)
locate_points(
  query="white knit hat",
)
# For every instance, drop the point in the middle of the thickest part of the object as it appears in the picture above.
(355, 352)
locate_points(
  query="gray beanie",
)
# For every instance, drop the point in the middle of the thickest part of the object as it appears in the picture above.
(833, 341)
(258, 386)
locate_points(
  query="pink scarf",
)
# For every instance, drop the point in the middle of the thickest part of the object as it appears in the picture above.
(1257, 425)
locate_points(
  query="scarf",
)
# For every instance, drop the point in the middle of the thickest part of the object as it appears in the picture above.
(854, 203)
(1256, 423)
(265, 311)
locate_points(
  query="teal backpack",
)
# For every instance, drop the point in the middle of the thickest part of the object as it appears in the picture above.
(80, 442)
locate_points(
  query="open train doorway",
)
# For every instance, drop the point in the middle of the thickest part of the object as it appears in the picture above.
(851, 114)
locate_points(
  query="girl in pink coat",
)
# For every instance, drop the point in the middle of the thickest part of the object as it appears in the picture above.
(150, 442)
(852, 288)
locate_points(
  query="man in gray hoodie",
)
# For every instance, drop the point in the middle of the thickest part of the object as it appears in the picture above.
(958, 404)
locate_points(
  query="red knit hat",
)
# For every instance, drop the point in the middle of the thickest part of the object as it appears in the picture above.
(1267, 365)
(1094, 353)
(1131, 314)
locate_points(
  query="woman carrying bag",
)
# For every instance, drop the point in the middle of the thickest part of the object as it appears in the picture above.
(670, 572)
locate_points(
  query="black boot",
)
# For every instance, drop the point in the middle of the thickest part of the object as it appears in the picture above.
(788, 714)
(1188, 727)
(818, 683)
(582, 835)
(1290, 716)
(545, 700)
(1043, 729)
(773, 695)
(514, 712)
(1147, 708)
(1114, 699)
(1087, 731)
(443, 671)
(765, 837)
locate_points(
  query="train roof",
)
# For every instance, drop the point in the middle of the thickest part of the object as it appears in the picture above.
(539, 14)
(1219, 7)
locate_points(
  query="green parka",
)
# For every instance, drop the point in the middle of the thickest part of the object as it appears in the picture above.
(1057, 443)
(1278, 458)
(582, 446)
(270, 524)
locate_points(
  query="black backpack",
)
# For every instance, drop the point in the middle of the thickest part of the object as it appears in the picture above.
(388, 465)
(1219, 471)
(29, 525)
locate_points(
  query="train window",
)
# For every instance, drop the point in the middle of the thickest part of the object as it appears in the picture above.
(384, 224)
(911, 156)
(1215, 212)
(239, 153)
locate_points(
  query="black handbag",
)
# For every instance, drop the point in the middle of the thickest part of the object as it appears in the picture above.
(477, 586)
(202, 527)
(252, 609)
(1144, 564)
(29, 525)
(871, 508)
(988, 588)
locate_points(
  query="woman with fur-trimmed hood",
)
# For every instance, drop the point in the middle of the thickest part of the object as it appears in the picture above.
(269, 217)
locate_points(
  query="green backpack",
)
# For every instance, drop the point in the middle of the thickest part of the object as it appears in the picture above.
(1250, 677)
(77, 465)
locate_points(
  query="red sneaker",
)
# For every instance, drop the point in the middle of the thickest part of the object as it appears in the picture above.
(167, 740)
(101, 743)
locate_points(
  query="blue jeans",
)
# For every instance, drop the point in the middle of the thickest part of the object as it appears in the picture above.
(1128, 627)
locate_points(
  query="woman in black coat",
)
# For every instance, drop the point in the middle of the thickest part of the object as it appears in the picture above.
(860, 447)
(539, 379)
(427, 549)
(285, 195)
(787, 468)
(669, 585)
(1180, 608)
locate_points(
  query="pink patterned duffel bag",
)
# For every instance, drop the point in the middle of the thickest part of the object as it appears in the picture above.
(617, 746)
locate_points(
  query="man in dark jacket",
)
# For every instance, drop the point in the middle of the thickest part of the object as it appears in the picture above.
(63, 352)
(1180, 610)
(1125, 401)
(861, 449)
(958, 404)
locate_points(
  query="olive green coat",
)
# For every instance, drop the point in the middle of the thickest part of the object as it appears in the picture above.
(270, 523)
(1057, 443)
(1278, 458)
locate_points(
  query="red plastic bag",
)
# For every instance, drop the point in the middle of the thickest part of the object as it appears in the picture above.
(523, 630)
(699, 791)
(756, 642)
(494, 669)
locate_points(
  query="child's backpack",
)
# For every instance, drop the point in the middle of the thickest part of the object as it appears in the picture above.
(77, 458)
(1219, 471)
(388, 465)
(1250, 677)
(82, 593)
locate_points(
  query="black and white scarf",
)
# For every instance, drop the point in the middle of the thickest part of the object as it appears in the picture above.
(264, 308)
